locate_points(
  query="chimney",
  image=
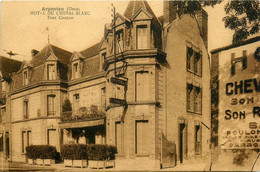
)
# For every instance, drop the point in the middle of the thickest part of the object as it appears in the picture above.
(202, 18)
(169, 11)
(34, 52)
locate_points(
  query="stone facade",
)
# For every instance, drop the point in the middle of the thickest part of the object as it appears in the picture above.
(162, 67)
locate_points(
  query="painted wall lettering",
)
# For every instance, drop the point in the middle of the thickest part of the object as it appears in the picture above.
(243, 86)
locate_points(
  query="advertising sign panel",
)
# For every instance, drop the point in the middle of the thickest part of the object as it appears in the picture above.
(239, 100)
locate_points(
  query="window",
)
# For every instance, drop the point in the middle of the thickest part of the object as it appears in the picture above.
(142, 37)
(23, 141)
(25, 78)
(194, 99)
(120, 43)
(197, 99)
(189, 91)
(103, 97)
(141, 137)
(50, 105)
(194, 61)
(29, 138)
(51, 72)
(26, 109)
(26, 140)
(142, 86)
(198, 135)
(76, 73)
(52, 136)
(197, 63)
(75, 101)
(3, 110)
(104, 56)
(119, 137)
(189, 58)
(1, 142)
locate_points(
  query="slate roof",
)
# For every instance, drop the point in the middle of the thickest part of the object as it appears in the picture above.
(91, 51)
(134, 6)
(8, 65)
(61, 54)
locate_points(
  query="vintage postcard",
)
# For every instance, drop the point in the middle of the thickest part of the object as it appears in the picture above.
(130, 85)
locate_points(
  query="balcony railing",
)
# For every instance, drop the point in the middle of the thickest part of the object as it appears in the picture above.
(83, 113)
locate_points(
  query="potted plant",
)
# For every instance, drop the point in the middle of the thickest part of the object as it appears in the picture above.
(74, 155)
(101, 156)
(41, 154)
(31, 154)
(48, 154)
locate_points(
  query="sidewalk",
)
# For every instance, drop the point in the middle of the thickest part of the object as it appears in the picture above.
(21, 166)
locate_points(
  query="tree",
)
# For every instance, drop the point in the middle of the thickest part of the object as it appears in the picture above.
(241, 16)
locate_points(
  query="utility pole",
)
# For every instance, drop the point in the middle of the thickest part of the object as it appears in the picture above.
(114, 36)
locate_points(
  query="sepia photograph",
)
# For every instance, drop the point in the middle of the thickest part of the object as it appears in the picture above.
(130, 85)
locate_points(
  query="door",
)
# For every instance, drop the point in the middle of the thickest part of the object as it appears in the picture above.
(119, 139)
(141, 138)
(53, 138)
(7, 150)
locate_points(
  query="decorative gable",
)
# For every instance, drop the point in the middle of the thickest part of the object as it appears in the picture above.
(142, 14)
(76, 56)
(102, 45)
(120, 19)
(51, 57)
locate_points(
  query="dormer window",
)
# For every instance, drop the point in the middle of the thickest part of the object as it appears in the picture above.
(141, 37)
(75, 70)
(25, 78)
(120, 44)
(51, 74)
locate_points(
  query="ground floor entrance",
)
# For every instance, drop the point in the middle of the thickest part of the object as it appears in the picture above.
(84, 135)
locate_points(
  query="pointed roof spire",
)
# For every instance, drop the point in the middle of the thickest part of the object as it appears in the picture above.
(134, 5)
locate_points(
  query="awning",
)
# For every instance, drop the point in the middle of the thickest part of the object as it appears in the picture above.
(81, 124)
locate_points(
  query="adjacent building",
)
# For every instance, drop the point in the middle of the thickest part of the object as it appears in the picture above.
(152, 82)
(235, 105)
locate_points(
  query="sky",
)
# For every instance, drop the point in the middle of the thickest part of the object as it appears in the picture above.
(22, 29)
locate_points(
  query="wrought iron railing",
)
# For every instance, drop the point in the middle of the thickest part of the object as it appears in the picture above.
(83, 113)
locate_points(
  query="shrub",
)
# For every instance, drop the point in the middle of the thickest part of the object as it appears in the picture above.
(90, 152)
(101, 152)
(41, 151)
(74, 151)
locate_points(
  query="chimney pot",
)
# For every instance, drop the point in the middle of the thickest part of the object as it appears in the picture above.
(202, 18)
(169, 11)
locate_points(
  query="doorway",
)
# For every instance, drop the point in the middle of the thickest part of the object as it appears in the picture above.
(7, 150)
(182, 141)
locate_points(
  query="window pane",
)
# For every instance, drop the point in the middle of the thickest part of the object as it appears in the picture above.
(50, 105)
(52, 137)
(51, 71)
(142, 86)
(197, 139)
(23, 141)
(141, 36)
(29, 138)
